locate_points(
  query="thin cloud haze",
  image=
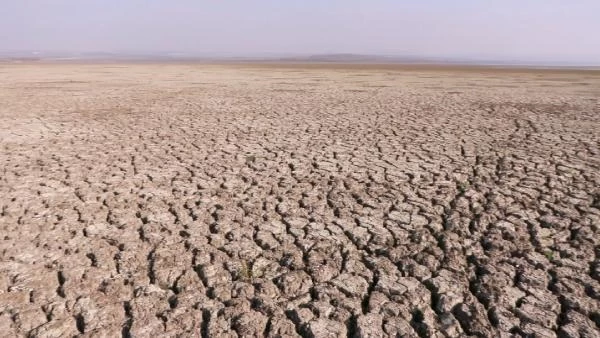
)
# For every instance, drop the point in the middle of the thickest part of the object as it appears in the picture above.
(549, 30)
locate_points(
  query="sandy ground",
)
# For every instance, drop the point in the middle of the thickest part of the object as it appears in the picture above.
(280, 201)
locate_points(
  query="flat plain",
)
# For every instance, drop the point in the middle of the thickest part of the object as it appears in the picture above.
(298, 200)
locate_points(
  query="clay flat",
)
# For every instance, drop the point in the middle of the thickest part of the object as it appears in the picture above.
(298, 200)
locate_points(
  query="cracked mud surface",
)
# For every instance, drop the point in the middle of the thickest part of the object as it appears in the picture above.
(166, 200)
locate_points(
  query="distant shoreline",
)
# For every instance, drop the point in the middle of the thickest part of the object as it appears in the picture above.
(413, 66)
(333, 58)
(304, 64)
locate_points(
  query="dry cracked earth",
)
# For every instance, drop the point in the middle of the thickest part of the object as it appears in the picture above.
(287, 200)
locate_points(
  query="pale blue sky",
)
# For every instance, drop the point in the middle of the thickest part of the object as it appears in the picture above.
(543, 30)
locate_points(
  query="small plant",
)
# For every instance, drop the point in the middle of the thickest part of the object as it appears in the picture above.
(249, 271)
(463, 186)
(250, 158)
(245, 272)
(549, 255)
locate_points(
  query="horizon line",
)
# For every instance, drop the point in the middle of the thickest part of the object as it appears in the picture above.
(334, 57)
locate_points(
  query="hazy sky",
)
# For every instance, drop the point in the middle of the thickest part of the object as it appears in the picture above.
(542, 30)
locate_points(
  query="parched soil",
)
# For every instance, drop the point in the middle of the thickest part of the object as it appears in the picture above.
(239, 200)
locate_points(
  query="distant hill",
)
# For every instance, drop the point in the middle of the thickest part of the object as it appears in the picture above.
(352, 58)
